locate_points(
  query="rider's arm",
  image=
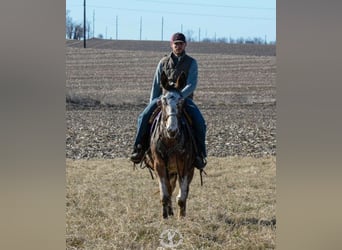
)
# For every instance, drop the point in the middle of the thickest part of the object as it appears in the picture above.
(191, 81)
(156, 89)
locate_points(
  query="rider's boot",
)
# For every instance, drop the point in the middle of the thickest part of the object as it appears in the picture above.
(137, 154)
(200, 162)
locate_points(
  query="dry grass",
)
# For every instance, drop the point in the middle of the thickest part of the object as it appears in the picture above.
(110, 206)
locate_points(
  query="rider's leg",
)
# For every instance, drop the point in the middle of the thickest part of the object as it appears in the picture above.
(141, 139)
(200, 128)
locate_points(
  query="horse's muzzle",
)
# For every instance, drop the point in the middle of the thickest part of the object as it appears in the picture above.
(172, 133)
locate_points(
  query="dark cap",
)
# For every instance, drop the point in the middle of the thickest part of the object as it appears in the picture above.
(178, 37)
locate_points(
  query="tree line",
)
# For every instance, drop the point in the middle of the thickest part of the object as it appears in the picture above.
(75, 30)
(241, 40)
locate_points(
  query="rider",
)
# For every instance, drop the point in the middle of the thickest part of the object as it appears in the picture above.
(173, 64)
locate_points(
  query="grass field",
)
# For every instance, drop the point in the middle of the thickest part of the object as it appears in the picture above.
(110, 206)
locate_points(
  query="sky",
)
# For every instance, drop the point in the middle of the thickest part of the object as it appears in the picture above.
(158, 19)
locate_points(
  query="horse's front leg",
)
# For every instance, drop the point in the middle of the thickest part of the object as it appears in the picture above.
(182, 195)
(165, 196)
(172, 181)
(184, 184)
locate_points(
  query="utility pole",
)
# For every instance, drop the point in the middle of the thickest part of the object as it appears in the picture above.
(199, 34)
(93, 23)
(116, 29)
(84, 24)
(140, 27)
(162, 30)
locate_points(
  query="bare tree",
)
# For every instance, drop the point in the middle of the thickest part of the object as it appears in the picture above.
(240, 40)
(69, 25)
(258, 40)
(206, 40)
(189, 35)
(78, 32)
(75, 30)
(222, 40)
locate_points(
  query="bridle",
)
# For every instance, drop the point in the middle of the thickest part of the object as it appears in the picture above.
(169, 114)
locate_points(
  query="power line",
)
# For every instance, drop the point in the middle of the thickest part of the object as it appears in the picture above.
(197, 4)
(208, 14)
(182, 13)
(208, 5)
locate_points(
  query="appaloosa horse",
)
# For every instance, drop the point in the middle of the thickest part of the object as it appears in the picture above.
(172, 148)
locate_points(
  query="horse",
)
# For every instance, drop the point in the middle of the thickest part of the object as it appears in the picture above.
(172, 148)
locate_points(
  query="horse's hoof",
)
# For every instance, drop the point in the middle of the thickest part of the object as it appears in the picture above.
(180, 203)
(181, 215)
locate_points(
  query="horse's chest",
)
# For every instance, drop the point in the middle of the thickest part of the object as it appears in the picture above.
(167, 149)
(172, 165)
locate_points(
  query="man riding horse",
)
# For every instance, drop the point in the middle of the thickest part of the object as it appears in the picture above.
(173, 65)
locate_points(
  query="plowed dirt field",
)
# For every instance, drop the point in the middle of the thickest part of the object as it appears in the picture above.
(108, 85)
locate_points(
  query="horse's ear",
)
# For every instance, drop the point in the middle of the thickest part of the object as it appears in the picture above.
(181, 81)
(164, 81)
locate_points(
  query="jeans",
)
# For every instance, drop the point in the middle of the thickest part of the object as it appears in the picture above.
(143, 126)
(198, 124)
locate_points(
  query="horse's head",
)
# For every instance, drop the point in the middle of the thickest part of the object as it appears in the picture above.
(172, 104)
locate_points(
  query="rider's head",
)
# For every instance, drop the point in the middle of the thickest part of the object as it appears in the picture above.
(178, 43)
